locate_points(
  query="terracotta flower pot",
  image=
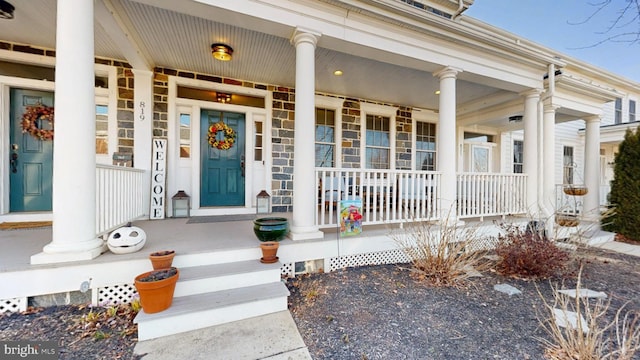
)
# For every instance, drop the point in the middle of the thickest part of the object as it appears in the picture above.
(269, 251)
(156, 289)
(162, 259)
(567, 220)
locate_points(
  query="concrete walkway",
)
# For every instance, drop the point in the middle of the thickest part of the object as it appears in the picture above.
(620, 247)
(273, 337)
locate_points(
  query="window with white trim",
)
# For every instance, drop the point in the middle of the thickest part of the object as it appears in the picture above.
(378, 142)
(568, 165)
(325, 137)
(185, 135)
(425, 146)
(632, 110)
(518, 156)
(618, 111)
(102, 129)
(257, 144)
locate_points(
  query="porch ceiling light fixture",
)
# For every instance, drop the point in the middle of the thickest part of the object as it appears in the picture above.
(220, 52)
(223, 97)
(6, 10)
(337, 73)
(515, 118)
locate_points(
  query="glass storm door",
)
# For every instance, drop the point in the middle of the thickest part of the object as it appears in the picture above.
(222, 170)
(30, 159)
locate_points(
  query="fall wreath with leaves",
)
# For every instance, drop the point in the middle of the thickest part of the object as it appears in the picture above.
(229, 136)
(32, 121)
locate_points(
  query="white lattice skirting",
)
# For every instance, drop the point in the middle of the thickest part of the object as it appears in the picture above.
(375, 258)
(13, 305)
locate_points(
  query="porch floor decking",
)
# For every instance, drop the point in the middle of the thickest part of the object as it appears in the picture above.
(17, 246)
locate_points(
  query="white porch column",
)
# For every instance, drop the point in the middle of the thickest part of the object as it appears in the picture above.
(446, 155)
(530, 165)
(592, 169)
(74, 157)
(143, 128)
(304, 201)
(549, 159)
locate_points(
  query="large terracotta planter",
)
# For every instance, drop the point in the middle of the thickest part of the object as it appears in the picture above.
(162, 259)
(157, 295)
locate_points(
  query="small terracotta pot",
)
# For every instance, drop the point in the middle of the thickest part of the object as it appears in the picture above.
(269, 251)
(156, 296)
(162, 259)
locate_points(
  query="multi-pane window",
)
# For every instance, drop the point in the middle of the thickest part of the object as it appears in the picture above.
(325, 137)
(568, 165)
(185, 135)
(258, 130)
(102, 129)
(632, 110)
(618, 111)
(378, 145)
(518, 156)
(425, 146)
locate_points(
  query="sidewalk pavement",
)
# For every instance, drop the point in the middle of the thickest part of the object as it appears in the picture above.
(620, 247)
(273, 337)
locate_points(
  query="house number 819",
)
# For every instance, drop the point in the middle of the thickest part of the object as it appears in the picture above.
(141, 117)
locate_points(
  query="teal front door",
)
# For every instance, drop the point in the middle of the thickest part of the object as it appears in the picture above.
(222, 157)
(31, 159)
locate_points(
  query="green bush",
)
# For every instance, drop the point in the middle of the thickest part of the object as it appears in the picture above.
(625, 189)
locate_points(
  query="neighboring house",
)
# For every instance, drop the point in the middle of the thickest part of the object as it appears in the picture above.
(433, 115)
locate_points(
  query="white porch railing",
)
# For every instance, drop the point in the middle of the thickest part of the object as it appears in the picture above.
(118, 196)
(488, 194)
(388, 196)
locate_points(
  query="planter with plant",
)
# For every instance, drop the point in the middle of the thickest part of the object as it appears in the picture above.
(162, 259)
(270, 230)
(156, 288)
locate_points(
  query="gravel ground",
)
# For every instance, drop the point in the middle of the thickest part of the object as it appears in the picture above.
(371, 312)
(381, 312)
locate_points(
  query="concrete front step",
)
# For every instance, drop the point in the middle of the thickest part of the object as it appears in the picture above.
(217, 277)
(203, 310)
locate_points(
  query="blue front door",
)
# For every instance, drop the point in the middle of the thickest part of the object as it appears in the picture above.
(222, 167)
(31, 159)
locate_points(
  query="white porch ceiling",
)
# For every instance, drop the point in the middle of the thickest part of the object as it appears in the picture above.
(181, 41)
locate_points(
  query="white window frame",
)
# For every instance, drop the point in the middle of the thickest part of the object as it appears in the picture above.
(335, 104)
(378, 110)
(427, 116)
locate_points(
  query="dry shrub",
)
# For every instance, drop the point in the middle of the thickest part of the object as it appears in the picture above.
(595, 338)
(530, 254)
(442, 254)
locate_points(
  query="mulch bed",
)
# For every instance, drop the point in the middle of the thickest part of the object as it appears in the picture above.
(370, 312)
(381, 312)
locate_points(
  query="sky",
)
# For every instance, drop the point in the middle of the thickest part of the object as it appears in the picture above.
(564, 26)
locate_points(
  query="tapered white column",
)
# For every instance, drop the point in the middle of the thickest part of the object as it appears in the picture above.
(549, 159)
(530, 154)
(591, 203)
(74, 155)
(304, 201)
(446, 155)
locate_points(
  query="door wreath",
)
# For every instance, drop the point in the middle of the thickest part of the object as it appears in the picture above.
(30, 119)
(229, 136)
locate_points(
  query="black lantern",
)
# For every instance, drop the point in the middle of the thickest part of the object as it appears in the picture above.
(181, 204)
(263, 203)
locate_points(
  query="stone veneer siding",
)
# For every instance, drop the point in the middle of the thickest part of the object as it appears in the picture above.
(282, 127)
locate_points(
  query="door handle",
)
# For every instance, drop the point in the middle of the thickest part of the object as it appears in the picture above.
(14, 163)
(242, 166)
